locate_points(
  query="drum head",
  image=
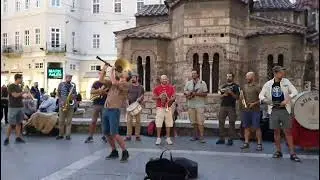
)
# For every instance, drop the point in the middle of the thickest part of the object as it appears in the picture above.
(132, 106)
(306, 109)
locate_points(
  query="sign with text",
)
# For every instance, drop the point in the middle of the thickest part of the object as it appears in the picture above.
(55, 73)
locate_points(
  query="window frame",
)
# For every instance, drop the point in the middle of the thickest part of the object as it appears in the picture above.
(38, 65)
(26, 4)
(95, 6)
(115, 3)
(37, 36)
(93, 67)
(96, 41)
(17, 39)
(73, 39)
(57, 45)
(5, 6)
(27, 38)
(139, 2)
(4, 40)
(37, 3)
(55, 3)
(18, 6)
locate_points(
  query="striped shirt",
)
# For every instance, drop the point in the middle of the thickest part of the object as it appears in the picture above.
(63, 92)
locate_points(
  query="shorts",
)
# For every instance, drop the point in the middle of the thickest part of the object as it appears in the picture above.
(251, 119)
(196, 115)
(111, 121)
(280, 119)
(163, 115)
(97, 111)
(15, 115)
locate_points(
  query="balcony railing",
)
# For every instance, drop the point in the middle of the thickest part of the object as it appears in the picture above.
(55, 48)
(12, 49)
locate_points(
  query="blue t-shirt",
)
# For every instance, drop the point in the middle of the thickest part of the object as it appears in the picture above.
(277, 94)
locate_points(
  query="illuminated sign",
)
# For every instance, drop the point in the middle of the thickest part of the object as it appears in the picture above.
(55, 73)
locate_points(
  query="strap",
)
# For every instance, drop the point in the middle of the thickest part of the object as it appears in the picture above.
(164, 152)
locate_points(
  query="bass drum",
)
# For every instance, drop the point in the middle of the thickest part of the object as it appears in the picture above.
(306, 109)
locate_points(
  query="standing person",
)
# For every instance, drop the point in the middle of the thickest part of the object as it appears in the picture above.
(251, 111)
(65, 117)
(15, 109)
(229, 95)
(117, 96)
(164, 94)
(101, 88)
(196, 91)
(4, 103)
(277, 93)
(36, 93)
(135, 94)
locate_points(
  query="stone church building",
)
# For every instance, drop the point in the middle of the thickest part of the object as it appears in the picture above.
(222, 36)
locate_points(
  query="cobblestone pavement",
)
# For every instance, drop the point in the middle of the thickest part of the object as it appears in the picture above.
(44, 158)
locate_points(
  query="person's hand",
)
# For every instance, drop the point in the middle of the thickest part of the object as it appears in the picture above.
(284, 102)
(105, 67)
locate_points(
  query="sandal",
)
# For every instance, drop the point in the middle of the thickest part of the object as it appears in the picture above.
(277, 154)
(245, 146)
(259, 147)
(295, 158)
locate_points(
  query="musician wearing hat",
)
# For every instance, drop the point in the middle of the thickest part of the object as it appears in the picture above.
(67, 95)
(135, 94)
(99, 91)
(277, 93)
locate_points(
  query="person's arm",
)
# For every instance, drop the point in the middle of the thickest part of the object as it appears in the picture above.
(59, 90)
(113, 76)
(45, 104)
(155, 96)
(234, 92)
(173, 97)
(14, 93)
(185, 89)
(140, 99)
(292, 90)
(262, 94)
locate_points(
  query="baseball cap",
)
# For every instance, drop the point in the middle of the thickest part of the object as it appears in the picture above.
(276, 69)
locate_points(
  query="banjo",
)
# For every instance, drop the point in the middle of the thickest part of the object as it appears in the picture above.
(306, 109)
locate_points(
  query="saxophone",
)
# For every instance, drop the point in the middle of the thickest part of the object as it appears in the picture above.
(69, 101)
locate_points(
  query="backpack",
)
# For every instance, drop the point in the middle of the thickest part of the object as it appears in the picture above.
(165, 169)
(151, 128)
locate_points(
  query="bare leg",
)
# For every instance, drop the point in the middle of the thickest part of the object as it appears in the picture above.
(259, 136)
(289, 139)
(18, 130)
(168, 132)
(111, 142)
(158, 132)
(9, 131)
(120, 141)
(277, 139)
(246, 135)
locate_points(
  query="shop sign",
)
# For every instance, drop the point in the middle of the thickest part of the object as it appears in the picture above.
(55, 73)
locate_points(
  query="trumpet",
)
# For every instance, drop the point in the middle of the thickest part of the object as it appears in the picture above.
(243, 99)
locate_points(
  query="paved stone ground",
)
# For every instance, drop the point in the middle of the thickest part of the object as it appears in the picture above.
(44, 158)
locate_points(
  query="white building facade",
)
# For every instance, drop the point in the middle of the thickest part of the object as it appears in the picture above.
(38, 36)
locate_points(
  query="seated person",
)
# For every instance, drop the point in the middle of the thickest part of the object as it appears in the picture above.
(29, 106)
(48, 104)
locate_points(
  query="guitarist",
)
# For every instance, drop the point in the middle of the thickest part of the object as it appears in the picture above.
(98, 87)
(164, 95)
(196, 91)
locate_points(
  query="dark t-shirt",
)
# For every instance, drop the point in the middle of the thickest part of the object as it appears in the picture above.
(15, 102)
(102, 99)
(277, 94)
(229, 101)
(134, 93)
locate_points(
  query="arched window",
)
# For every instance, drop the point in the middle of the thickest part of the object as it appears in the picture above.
(270, 66)
(196, 64)
(148, 73)
(215, 73)
(280, 59)
(140, 69)
(206, 69)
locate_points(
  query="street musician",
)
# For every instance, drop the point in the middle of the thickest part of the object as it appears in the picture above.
(196, 91)
(99, 92)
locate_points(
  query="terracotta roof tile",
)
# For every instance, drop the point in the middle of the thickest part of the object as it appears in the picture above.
(273, 4)
(148, 35)
(153, 10)
(304, 4)
(271, 30)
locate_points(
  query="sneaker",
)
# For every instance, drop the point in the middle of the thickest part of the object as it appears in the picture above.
(294, 158)
(88, 140)
(158, 142)
(113, 155)
(125, 156)
(220, 141)
(59, 137)
(6, 142)
(68, 138)
(169, 142)
(201, 140)
(104, 139)
(127, 138)
(194, 139)
(229, 142)
(20, 140)
(138, 138)
(245, 146)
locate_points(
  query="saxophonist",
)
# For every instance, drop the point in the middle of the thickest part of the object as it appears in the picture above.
(66, 91)
(100, 90)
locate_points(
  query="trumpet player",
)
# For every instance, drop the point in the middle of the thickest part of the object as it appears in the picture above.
(229, 95)
(100, 89)
(196, 91)
(250, 108)
(66, 89)
(164, 95)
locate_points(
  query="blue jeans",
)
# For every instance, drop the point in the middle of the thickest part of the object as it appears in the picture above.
(250, 119)
(111, 121)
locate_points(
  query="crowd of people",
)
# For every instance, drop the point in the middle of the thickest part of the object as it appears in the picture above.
(122, 90)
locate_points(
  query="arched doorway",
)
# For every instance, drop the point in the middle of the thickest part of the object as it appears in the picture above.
(140, 69)
(206, 69)
(215, 73)
(270, 66)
